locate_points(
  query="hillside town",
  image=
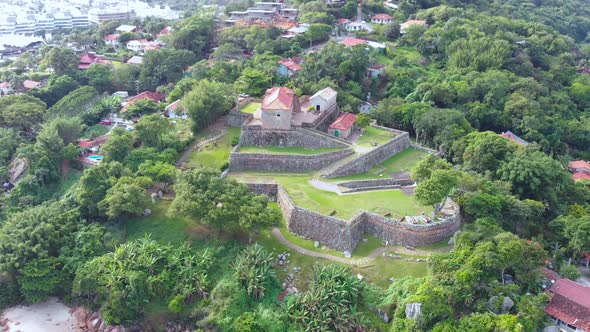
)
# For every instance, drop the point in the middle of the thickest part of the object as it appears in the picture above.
(327, 165)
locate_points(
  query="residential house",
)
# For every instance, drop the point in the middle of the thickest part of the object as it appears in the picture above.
(111, 40)
(375, 71)
(358, 26)
(343, 126)
(323, 100)
(155, 96)
(580, 170)
(365, 107)
(403, 28)
(277, 108)
(176, 110)
(5, 88)
(569, 306)
(29, 84)
(289, 66)
(514, 138)
(352, 42)
(264, 12)
(381, 19)
(88, 59)
(126, 28)
(135, 60)
(391, 5)
(141, 45)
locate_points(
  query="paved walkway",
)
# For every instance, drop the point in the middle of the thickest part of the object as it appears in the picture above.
(358, 262)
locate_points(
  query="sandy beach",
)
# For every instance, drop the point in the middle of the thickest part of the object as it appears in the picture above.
(48, 316)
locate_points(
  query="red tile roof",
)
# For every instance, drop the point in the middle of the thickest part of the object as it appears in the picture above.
(576, 164)
(28, 84)
(175, 105)
(111, 37)
(166, 31)
(382, 17)
(5, 85)
(570, 302)
(343, 20)
(376, 67)
(155, 96)
(580, 176)
(90, 143)
(278, 98)
(344, 122)
(290, 64)
(351, 42)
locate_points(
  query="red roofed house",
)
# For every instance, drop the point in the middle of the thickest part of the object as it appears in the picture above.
(112, 40)
(403, 28)
(343, 125)
(570, 305)
(580, 169)
(351, 42)
(176, 110)
(28, 84)
(155, 96)
(277, 108)
(5, 88)
(381, 19)
(165, 32)
(289, 66)
(374, 71)
(88, 59)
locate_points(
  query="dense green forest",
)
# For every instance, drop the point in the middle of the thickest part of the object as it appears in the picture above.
(477, 69)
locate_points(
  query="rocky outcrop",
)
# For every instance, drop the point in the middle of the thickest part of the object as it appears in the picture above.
(91, 321)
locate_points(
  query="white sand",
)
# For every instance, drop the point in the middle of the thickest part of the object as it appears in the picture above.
(48, 316)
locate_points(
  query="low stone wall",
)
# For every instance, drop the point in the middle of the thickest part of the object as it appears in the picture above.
(256, 135)
(332, 232)
(266, 189)
(344, 235)
(365, 162)
(376, 183)
(236, 119)
(284, 162)
(425, 149)
(327, 119)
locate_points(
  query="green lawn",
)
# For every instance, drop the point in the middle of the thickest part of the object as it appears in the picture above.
(285, 150)
(159, 226)
(214, 154)
(371, 134)
(95, 131)
(343, 206)
(403, 161)
(383, 59)
(250, 108)
(409, 53)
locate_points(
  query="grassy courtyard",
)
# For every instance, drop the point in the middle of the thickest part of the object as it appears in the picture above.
(285, 150)
(213, 154)
(250, 108)
(403, 161)
(371, 135)
(393, 202)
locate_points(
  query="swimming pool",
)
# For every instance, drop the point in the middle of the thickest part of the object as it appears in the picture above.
(95, 157)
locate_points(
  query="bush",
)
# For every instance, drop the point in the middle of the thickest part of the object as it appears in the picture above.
(224, 166)
(235, 140)
(569, 271)
(9, 294)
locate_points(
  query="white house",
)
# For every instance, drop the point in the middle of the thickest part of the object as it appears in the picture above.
(323, 100)
(358, 26)
(126, 28)
(176, 111)
(112, 40)
(381, 19)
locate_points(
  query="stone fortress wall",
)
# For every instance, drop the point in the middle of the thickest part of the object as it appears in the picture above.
(295, 137)
(344, 235)
(364, 162)
(284, 162)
